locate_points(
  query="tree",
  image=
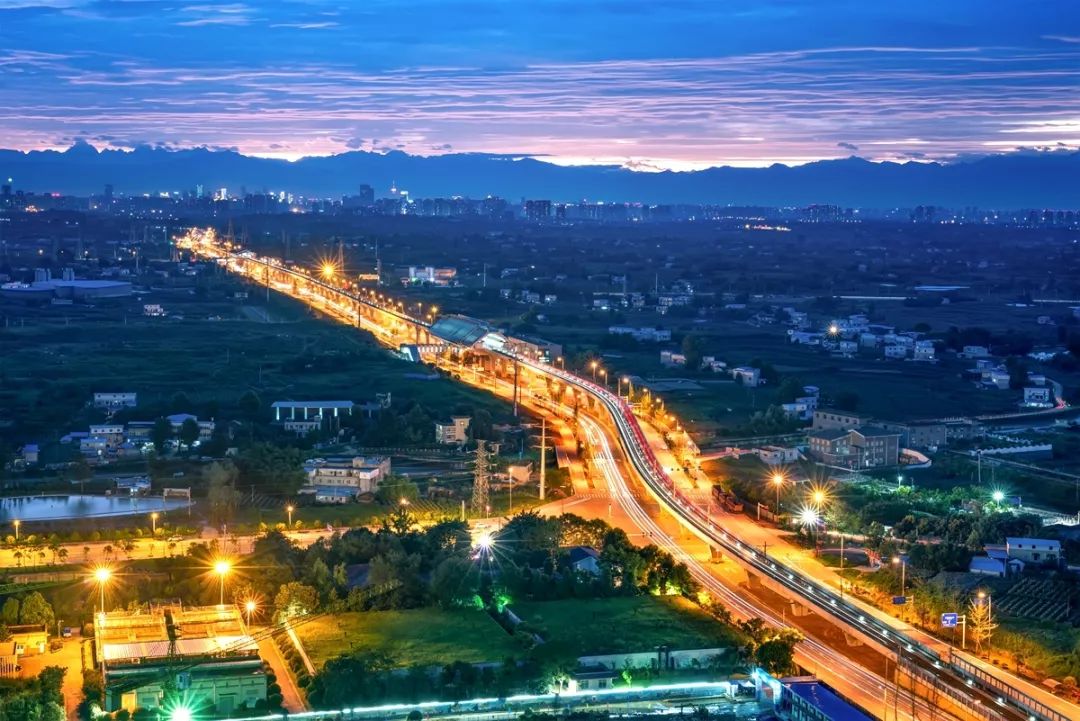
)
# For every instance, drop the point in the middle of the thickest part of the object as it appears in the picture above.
(981, 622)
(160, 434)
(847, 401)
(250, 404)
(789, 389)
(693, 347)
(34, 609)
(189, 431)
(272, 469)
(9, 612)
(296, 599)
(221, 494)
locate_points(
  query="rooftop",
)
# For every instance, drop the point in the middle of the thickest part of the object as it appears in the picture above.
(460, 330)
(312, 404)
(823, 698)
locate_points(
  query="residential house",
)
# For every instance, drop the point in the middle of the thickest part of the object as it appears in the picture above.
(1039, 551)
(863, 447)
(924, 351)
(777, 455)
(747, 376)
(453, 432)
(896, 351)
(338, 480)
(114, 401)
(30, 453)
(584, 559)
(919, 434)
(843, 420)
(670, 359)
(975, 351)
(1038, 398)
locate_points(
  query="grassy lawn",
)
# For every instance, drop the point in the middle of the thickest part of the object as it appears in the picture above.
(575, 628)
(416, 637)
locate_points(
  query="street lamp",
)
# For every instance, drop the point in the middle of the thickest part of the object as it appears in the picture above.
(998, 496)
(17, 523)
(593, 365)
(561, 362)
(153, 523)
(778, 482)
(819, 497)
(289, 510)
(249, 608)
(102, 574)
(222, 568)
(897, 560)
(603, 374)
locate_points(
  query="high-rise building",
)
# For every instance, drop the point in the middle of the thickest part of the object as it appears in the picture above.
(537, 209)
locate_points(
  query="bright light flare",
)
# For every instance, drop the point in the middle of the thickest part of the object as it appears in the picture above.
(222, 567)
(328, 270)
(484, 542)
(808, 517)
(998, 496)
(102, 574)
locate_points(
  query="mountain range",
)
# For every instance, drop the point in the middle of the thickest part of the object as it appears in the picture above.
(1024, 179)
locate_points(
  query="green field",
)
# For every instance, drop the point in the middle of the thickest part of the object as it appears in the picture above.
(419, 637)
(575, 628)
(205, 361)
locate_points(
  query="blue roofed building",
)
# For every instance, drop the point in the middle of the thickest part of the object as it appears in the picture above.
(806, 698)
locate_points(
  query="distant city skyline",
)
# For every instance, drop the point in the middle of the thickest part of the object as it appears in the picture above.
(678, 85)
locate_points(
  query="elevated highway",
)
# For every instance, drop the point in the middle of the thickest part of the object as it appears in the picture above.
(981, 691)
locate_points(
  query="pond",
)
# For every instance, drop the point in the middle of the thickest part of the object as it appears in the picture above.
(53, 508)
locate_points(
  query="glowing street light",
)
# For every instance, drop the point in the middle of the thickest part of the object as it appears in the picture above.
(833, 329)
(593, 365)
(998, 496)
(808, 517)
(778, 483)
(249, 608)
(328, 270)
(16, 523)
(181, 713)
(102, 575)
(898, 561)
(289, 510)
(153, 522)
(222, 568)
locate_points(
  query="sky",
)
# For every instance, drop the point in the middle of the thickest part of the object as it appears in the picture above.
(646, 84)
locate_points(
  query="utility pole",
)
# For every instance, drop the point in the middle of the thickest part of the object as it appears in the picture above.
(543, 456)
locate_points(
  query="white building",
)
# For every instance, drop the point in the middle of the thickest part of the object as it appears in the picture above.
(747, 376)
(114, 401)
(645, 334)
(454, 432)
(343, 479)
(895, 351)
(670, 359)
(924, 351)
(975, 351)
(1038, 397)
(777, 455)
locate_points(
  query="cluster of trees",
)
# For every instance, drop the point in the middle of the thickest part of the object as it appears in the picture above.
(36, 699)
(403, 566)
(366, 677)
(30, 608)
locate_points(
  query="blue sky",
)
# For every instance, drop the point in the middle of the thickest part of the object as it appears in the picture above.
(647, 84)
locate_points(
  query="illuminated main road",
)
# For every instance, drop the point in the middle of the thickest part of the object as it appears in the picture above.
(981, 691)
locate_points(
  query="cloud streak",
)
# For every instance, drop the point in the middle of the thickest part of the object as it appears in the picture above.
(497, 88)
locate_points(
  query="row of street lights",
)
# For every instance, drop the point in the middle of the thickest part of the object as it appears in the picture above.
(222, 567)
